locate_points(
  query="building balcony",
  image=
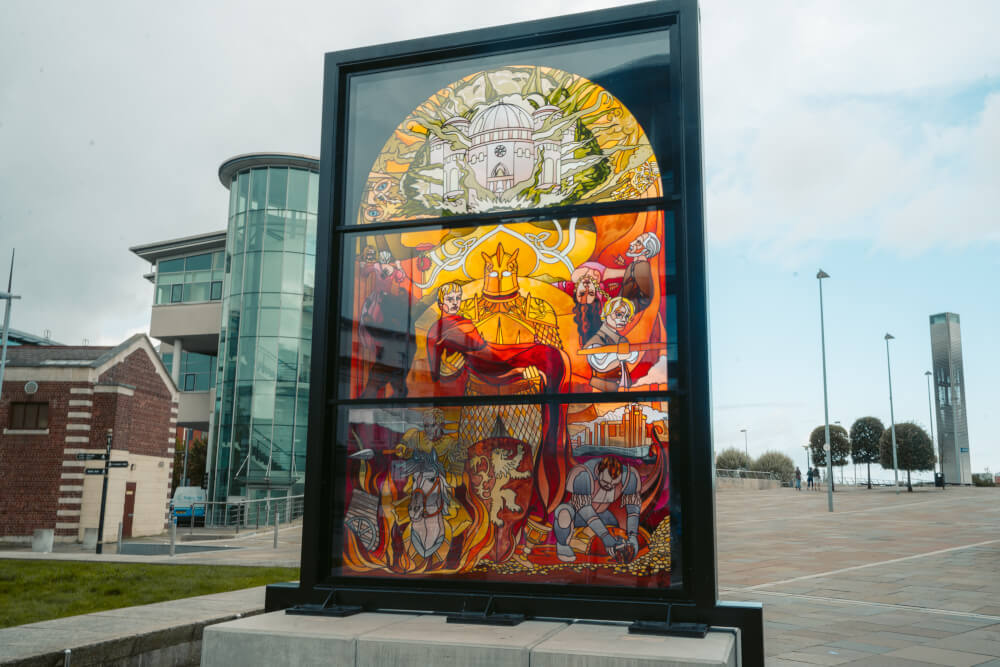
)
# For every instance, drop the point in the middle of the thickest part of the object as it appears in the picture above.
(194, 408)
(196, 324)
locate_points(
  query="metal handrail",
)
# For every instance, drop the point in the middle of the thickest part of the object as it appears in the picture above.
(745, 474)
(249, 514)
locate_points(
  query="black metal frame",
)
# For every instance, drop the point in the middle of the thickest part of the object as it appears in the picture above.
(695, 600)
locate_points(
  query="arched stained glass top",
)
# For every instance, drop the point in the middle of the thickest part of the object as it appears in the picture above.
(510, 138)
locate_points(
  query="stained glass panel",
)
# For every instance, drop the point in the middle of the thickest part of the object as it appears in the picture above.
(575, 493)
(575, 305)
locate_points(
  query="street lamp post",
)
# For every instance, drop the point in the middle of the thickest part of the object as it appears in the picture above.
(930, 416)
(6, 321)
(892, 416)
(826, 407)
(746, 442)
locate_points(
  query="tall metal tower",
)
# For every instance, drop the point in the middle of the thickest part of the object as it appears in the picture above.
(949, 398)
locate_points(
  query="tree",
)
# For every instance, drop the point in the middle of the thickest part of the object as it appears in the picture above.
(196, 462)
(914, 450)
(865, 448)
(732, 459)
(777, 463)
(840, 445)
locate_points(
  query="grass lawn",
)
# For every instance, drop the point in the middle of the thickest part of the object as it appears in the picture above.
(35, 590)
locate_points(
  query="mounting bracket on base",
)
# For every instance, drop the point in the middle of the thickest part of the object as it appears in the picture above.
(485, 617)
(328, 607)
(667, 628)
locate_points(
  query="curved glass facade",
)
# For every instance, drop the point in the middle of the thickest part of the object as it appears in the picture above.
(262, 385)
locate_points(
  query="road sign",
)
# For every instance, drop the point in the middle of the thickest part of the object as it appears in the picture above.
(118, 464)
(94, 471)
(91, 457)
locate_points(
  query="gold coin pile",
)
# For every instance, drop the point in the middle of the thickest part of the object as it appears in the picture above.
(657, 559)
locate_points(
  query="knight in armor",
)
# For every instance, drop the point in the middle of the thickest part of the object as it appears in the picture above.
(430, 514)
(420, 443)
(505, 316)
(597, 489)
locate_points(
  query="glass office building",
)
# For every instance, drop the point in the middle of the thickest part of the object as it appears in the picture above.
(262, 382)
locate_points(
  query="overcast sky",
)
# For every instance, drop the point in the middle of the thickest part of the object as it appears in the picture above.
(860, 137)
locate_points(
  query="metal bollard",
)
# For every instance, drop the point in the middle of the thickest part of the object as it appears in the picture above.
(120, 531)
(275, 529)
(67, 657)
(173, 535)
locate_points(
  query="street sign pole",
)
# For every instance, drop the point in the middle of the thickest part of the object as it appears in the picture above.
(187, 446)
(104, 493)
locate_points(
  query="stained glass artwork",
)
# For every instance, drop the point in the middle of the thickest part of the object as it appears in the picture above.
(543, 493)
(510, 138)
(526, 308)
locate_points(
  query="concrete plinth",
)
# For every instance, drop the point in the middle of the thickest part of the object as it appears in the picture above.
(282, 639)
(586, 644)
(431, 640)
(42, 540)
(420, 640)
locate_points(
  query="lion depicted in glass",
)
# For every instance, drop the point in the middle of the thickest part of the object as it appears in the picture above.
(510, 138)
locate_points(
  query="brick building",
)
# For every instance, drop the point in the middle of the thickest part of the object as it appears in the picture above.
(60, 401)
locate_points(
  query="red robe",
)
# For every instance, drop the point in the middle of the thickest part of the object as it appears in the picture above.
(500, 365)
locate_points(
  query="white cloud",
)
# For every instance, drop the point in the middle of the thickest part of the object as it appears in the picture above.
(827, 121)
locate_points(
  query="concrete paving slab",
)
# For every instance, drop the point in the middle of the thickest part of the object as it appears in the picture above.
(888, 661)
(816, 658)
(861, 647)
(939, 656)
(969, 644)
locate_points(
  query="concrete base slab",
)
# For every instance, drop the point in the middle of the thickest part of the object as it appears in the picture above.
(431, 640)
(419, 640)
(586, 644)
(282, 639)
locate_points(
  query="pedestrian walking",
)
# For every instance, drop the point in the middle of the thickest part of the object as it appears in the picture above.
(816, 478)
(809, 478)
(798, 479)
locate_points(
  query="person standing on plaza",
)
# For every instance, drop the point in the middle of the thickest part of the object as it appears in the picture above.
(816, 478)
(809, 478)
(798, 479)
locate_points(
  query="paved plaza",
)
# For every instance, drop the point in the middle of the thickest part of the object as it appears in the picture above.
(887, 579)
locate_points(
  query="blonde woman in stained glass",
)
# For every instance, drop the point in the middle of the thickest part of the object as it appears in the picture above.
(609, 368)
